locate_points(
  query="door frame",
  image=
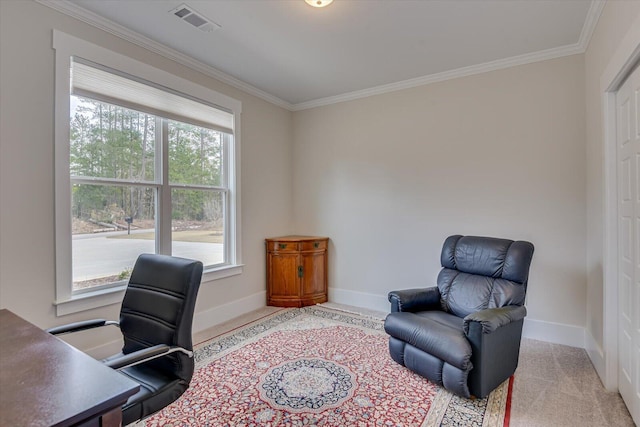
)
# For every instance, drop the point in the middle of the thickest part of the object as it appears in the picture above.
(622, 62)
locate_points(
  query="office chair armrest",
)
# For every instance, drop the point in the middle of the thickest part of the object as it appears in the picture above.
(80, 326)
(143, 355)
(494, 318)
(415, 299)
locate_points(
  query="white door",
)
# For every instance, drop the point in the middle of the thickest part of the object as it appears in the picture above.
(628, 166)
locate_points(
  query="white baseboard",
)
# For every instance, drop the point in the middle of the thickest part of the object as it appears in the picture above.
(213, 316)
(557, 333)
(596, 355)
(201, 320)
(359, 299)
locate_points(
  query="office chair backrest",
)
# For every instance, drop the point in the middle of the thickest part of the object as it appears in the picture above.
(483, 272)
(158, 308)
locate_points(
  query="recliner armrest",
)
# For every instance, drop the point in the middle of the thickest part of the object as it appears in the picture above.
(143, 355)
(493, 318)
(80, 326)
(415, 299)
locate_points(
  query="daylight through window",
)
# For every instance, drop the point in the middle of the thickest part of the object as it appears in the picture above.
(149, 172)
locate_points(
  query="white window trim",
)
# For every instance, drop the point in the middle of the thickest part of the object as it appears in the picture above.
(67, 46)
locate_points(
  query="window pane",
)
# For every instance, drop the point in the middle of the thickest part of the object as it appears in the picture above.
(195, 155)
(197, 225)
(111, 226)
(108, 141)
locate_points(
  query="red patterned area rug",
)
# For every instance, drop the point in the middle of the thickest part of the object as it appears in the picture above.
(317, 367)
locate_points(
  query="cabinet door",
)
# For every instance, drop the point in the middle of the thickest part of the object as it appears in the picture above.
(314, 279)
(283, 269)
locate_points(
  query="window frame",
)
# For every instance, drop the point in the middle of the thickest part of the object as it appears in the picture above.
(67, 47)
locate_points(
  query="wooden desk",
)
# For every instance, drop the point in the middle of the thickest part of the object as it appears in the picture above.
(46, 382)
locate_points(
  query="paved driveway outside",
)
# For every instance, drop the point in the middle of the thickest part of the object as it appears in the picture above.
(96, 255)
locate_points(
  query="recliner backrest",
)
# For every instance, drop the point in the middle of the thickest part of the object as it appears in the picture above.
(158, 308)
(483, 272)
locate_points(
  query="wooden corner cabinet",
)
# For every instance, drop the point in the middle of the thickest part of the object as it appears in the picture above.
(296, 270)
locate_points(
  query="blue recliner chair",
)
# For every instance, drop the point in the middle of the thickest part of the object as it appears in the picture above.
(464, 334)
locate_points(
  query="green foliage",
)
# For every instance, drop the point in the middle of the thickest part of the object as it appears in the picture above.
(113, 142)
(124, 274)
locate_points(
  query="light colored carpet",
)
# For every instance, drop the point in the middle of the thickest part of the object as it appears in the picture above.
(556, 385)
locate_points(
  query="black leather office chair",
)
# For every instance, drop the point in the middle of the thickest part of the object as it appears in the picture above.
(155, 319)
(465, 333)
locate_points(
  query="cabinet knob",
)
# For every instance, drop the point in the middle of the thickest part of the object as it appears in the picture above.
(316, 245)
(300, 271)
(282, 245)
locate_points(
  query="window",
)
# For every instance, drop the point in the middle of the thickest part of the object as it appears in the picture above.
(145, 162)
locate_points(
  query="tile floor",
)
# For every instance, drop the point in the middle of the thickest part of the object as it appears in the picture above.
(555, 385)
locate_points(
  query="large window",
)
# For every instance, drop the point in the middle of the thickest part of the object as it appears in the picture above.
(141, 166)
(119, 189)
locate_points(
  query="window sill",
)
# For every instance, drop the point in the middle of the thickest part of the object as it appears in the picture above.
(105, 297)
(221, 272)
(90, 300)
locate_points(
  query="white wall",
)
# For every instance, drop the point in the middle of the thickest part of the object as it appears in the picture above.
(388, 177)
(617, 19)
(27, 258)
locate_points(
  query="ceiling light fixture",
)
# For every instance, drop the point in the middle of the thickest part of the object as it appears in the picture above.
(319, 3)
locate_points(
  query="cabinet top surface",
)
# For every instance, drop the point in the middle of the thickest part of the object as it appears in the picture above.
(295, 238)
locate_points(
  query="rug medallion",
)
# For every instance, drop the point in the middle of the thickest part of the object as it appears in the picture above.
(316, 367)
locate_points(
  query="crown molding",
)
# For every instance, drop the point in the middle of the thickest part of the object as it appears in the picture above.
(574, 49)
(445, 75)
(73, 10)
(84, 15)
(590, 22)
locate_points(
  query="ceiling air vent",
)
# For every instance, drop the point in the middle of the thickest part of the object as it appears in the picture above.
(188, 14)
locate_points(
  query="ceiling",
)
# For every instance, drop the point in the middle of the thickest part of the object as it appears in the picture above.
(299, 56)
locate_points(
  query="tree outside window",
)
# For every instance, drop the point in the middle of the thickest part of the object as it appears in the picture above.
(120, 190)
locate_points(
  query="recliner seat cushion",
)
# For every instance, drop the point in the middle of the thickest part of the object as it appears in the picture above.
(437, 338)
(444, 318)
